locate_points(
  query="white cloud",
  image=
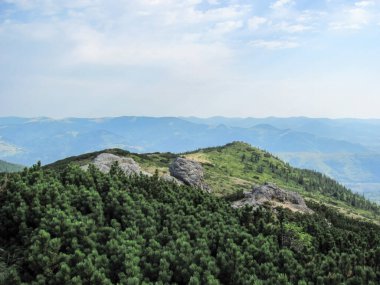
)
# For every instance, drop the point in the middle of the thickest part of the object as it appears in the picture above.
(166, 33)
(226, 27)
(213, 2)
(51, 8)
(255, 22)
(352, 19)
(166, 52)
(274, 44)
(359, 16)
(311, 16)
(281, 3)
(364, 3)
(292, 28)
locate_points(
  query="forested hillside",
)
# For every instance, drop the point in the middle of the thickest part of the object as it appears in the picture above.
(234, 168)
(9, 167)
(77, 227)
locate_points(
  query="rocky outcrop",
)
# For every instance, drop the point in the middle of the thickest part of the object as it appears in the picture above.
(104, 161)
(182, 171)
(270, 193)
(169, 178)
(189, 172)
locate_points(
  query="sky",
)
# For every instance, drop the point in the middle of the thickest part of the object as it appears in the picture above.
(236, 58)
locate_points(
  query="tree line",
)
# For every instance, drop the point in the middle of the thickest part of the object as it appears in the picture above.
(86, 227)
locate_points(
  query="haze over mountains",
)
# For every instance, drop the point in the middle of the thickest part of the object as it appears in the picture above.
(345, 149)
(360, 131)
(9, 167)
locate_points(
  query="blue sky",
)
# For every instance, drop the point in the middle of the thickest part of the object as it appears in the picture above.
(179, 58)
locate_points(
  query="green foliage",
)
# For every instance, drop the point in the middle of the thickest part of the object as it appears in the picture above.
(296, 237)
(234, 168)
(228, 173)
(76, 227)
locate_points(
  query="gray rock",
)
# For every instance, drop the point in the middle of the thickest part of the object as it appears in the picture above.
(273, 194)
(104, 161)
(169, 178)
(85, 167)
(189, 172)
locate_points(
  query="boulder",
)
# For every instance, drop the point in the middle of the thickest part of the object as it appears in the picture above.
(169, 178)
(189, 172)
(104, 161)
(270, 193)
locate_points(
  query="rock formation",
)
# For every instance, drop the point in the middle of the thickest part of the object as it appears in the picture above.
(182, 171)
(270, 193)
(189, 172)
(169, 178)
(104, 161)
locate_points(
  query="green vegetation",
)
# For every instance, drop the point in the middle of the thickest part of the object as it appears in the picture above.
(9, 167)
(234, 168)
(359, 171)
(77, 227)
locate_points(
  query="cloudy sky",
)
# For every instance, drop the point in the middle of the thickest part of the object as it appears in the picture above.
(99, 58)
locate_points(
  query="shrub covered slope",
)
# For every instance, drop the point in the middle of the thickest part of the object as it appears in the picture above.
(235, 167)
(77, 227)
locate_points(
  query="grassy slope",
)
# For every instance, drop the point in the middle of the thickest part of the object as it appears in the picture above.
(234, 168)
(231, 169)
(9, 167)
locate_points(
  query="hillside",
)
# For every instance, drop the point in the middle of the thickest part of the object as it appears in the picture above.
(9, 167)
(236, 167)
(347, 150)
(359, 172)
(69, 226)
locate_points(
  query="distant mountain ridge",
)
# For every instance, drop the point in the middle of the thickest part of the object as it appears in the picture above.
(345, 149)
(9, 167)
(362, 131)
(49, 140)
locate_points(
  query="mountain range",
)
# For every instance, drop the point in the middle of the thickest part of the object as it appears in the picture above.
(345, 149)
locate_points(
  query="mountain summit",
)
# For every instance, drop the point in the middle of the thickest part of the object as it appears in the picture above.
(234, 168)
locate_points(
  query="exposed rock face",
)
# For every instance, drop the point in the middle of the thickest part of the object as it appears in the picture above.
(104, 162)
(276, 196)
(189, 172)
(169, 178)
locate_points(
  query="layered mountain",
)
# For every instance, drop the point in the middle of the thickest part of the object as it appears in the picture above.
(26, 141)
(360, 131)
(343, 149)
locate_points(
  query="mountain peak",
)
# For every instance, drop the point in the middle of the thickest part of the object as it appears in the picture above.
(234, 168)
(238, 144)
